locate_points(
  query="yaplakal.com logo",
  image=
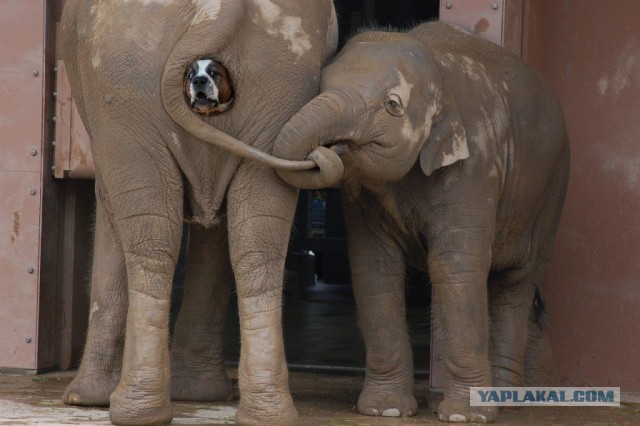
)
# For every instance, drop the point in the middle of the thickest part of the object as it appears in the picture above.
(560, 396)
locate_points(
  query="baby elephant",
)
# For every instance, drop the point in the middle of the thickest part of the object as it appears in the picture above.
(456, 161)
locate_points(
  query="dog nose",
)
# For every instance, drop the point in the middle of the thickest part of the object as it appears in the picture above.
(199, 81)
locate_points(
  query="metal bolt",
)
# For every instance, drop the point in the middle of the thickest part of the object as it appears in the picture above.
(34, 152)
(449, 5)
(53, 143)
(438, 357)
(35, 73)
(30, 270)
(494, 6)
(28, 339)
(33, 191)
(55, 94)
(54, 118)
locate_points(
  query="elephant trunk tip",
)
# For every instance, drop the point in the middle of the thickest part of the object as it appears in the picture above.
(328, 173)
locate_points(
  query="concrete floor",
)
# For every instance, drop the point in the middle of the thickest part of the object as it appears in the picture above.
(321, 399)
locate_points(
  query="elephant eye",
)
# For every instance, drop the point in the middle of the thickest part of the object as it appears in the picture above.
(393, 105)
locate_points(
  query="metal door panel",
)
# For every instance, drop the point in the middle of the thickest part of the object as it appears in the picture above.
(19, 246)
(483, 17)
(499, 21)
(21, 84)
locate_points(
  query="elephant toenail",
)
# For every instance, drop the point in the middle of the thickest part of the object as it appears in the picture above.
(478, 418)
(375, 411)
(391, 412)
(442, 417)
(457, 418)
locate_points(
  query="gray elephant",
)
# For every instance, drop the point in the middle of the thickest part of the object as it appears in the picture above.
(157, 161)
(456, 161)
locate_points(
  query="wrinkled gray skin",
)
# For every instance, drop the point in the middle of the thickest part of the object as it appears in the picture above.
(456, 162)
(126, 62)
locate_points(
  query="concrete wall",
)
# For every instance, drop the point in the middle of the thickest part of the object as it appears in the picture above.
(590, 52)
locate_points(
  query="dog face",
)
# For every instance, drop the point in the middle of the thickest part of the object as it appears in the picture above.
(207, 87)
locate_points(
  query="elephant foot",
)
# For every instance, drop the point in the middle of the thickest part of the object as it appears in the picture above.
(277, 410)
(132, 406)
(454, 411)
(191, 386)
(387, 401)
(91, 389)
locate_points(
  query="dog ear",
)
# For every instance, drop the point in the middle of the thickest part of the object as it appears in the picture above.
(225, 90)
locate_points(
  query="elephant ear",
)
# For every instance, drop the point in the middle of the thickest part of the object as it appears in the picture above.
(447, 141)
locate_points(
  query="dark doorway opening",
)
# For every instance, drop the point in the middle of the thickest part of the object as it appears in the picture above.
(320, 318)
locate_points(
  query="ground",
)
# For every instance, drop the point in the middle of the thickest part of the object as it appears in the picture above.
(321, 399)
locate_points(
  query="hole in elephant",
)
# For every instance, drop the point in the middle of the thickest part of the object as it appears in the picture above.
(207, 87)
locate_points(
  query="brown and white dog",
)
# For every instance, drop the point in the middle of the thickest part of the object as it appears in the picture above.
(207, 87)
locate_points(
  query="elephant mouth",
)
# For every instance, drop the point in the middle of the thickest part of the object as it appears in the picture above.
(343, 146)
(340, 146)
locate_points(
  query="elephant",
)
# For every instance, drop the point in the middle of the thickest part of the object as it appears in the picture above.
(456, 161)
(158, 163)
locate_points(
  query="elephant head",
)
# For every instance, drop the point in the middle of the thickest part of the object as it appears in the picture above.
(381, 118)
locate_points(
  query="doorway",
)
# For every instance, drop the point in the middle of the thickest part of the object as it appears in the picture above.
(319, 316)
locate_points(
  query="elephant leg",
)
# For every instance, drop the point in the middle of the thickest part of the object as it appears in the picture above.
(260, 213)
(377, 270)
(197, 367)
(148, 216)
(511, 296)
(459, 260)
(99, 371)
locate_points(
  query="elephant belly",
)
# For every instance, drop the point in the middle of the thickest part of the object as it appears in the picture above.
(206, 182)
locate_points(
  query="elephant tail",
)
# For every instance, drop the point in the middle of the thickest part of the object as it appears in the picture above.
(540, 310)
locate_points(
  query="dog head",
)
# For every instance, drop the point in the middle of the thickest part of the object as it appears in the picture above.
(207, 87)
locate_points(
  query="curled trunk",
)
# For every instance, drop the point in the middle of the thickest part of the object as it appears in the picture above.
(309, 135)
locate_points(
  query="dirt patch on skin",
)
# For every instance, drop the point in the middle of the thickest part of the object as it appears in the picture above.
(321, 399)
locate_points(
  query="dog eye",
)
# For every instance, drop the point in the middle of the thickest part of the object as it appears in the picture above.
(191, 75)
(212, 73)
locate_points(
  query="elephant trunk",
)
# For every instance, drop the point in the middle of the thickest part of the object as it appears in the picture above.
(315, 133)
(217, 34)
